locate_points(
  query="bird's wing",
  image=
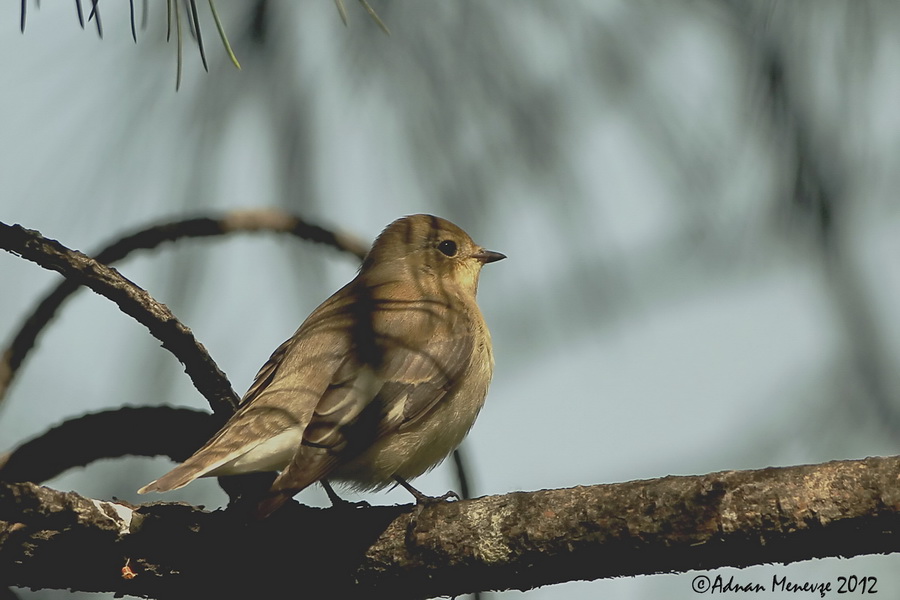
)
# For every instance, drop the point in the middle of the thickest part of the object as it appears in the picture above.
(422, 350)
(279, 404)
(267, 372)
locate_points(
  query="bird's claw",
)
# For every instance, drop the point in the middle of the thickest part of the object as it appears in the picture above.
(429, 500)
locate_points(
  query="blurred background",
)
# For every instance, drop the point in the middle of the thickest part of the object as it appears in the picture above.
(697, 199)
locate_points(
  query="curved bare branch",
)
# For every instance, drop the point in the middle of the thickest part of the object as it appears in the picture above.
(133, 301)
(242, 221)
(109, 434)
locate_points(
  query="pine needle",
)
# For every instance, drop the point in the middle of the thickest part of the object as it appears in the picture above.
(342, 10)
(95, 15)
(234, 60)
(133, 30)
(375, 16)
(199, 35)
(168, 20)
(178, 34)
(80, 12)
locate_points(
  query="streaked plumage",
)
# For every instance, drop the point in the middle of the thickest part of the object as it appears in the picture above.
(383, 380)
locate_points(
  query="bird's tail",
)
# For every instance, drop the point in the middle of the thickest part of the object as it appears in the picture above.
(174, 479)
(271, 503)
(193, 468)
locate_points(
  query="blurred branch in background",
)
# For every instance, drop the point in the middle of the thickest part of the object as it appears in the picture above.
(819, 184)
(114, 433)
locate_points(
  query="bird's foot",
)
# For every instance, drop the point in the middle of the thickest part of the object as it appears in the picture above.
(337, 501)
(423, 500)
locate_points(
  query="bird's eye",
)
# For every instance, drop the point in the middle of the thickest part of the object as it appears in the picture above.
(448, 247)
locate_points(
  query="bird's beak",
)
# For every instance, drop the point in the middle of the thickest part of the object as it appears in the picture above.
(488, 256)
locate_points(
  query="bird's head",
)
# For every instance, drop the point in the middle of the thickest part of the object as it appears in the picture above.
(427, 247)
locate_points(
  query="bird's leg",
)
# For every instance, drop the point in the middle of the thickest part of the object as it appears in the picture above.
(422, 499)
(245, 490)
(337, 501)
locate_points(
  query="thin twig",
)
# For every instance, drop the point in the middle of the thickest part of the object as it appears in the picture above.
(459, 463)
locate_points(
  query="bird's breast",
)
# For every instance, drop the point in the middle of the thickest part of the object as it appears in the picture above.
(413, 451)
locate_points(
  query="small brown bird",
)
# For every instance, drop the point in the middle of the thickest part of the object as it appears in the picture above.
(379, 384)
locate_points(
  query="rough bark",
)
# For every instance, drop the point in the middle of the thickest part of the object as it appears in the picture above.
(515, 541)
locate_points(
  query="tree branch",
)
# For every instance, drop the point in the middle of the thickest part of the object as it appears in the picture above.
(517, 541)
(109, 434)
(133, 301)
(239, 221)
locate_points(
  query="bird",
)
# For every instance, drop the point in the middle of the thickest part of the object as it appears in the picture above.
(377, 386)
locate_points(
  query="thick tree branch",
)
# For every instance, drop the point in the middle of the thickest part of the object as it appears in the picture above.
(516, 541)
